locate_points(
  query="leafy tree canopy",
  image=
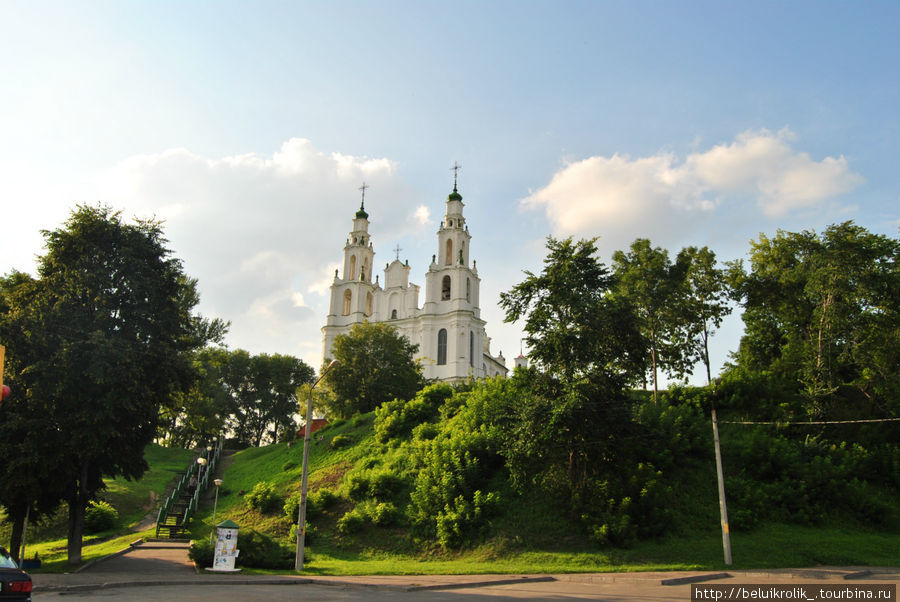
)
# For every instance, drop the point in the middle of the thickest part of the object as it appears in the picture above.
(824, 310)
(375, 365)
(99, 341)
(573, 326)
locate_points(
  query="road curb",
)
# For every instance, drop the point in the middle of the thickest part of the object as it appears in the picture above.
(694, 579)
(510, 581)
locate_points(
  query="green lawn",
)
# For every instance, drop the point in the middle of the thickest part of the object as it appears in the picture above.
(133, 500)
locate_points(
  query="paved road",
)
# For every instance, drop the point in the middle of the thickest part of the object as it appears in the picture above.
(161, 571)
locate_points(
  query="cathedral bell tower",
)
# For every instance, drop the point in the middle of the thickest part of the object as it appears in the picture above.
(451, 295)
(352, 293)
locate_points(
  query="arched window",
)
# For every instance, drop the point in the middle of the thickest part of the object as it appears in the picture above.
(449, 259)
(442, 347)
(445, 288)
(393, 314)
(365, 271)
(352, 275)
(348, 296)
(472, 349)
(368, 304)
(468, 290)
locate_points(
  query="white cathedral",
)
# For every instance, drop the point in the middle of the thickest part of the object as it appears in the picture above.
(448, 329)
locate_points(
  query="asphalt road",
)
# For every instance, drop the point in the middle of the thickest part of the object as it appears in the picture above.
(553, 590)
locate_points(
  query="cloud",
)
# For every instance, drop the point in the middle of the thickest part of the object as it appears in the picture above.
(655, 196)
(422, 215)
(261, 233)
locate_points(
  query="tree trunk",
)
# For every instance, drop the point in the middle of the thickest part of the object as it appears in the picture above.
(77, 504)
(17, 515)
(706, 353)
(653, 363)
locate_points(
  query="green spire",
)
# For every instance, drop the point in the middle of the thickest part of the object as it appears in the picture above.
(362, 205)
(455, 196)
(362, 212)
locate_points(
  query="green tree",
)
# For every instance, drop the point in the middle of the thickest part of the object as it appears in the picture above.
(194, 417)
(654, 286)
(573, 325)
(568, 418)
(32, 470)
(263, 393)
(107, 336)
(824, 310)
(375, 365)
(706, 300)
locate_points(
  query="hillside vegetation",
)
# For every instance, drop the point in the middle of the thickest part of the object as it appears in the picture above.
(433, 486)
(133, 500)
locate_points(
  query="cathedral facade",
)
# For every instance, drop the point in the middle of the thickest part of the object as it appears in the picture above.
(453, 344)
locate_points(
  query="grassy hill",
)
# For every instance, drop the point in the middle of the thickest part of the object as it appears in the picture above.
(132, 499)
(528, 535)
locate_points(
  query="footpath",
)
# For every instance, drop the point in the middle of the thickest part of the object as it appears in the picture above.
(153, 563)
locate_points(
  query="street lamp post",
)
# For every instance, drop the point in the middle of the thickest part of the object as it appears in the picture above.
(301, 518)
(212, 536)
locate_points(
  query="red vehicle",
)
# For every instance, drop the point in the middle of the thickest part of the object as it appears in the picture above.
(15, 584)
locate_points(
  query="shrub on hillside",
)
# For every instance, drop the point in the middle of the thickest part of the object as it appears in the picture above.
(619, 511)
(397, 418)
(352, 522)
(262, 552)
(263, 498)
(316, 502)
(799, 481)
(379, 514)
(378, 483)
(100, 516)
(340, 442)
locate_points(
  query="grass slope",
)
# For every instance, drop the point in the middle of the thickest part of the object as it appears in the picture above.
(133, 500)
(529, 536)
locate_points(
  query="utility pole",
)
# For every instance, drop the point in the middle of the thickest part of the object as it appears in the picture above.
(301, 518)
(723, 508)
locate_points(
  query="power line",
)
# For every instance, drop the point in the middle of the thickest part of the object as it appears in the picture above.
(810, 422)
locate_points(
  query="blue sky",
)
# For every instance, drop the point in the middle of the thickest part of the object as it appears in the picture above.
(248, 128)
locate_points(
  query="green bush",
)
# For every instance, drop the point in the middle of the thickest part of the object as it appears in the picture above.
(450, 500)
(378, 483)
(619, 511)
(263, 498)
(397, 418)
(457, 522)
(425, 431)
(288, 466)
(202, 552)
(100, 516)
(316, 502)
(352, 522)
(340, 441)
(379, 514)
(262, 552)
(384, 514)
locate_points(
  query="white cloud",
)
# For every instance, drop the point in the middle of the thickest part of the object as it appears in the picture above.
(656, 196)
(422, 215)
(259, 232)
